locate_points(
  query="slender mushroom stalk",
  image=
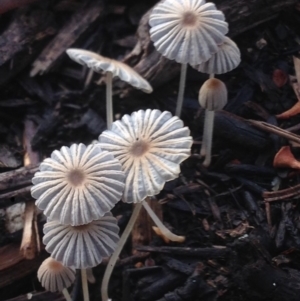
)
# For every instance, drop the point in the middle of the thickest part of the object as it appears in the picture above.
(109, 103)
(212, 97)
(113, 259)
(181, 90)
(85, 288)
(177, 26)
(112, 68)
(66, 294)
(163, 229)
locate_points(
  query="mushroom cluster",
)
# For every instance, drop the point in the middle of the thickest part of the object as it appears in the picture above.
(193, 32)
(77, 187)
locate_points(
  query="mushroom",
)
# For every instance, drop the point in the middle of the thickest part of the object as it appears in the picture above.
(188, 32)
(54, 276)
(212, 97)
(78, 184)
(224, 60)
(81, 246)
(150, 146)
(112, 68)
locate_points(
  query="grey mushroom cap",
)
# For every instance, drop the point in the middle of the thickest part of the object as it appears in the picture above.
(213, 95)
(99, 63)
(187, 31)
(226, 59)
(54, 276)
(150, 145)
(78, 184)
(82, 246)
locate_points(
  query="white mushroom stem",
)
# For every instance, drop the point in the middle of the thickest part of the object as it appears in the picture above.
(66, 294)
(113, 259)
(164, 230)
(208, 131)
(203, 150)
(85, 288)
(181, 90)
(109, 103)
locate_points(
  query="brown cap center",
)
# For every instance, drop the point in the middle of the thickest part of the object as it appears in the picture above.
(76, 177)
(189, 19)
(139, 148)
(55, 266)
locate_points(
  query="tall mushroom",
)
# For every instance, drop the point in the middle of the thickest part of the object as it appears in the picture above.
(112, 68)
(188, 32)
(150, 145)
(226, 59)
(212, 97)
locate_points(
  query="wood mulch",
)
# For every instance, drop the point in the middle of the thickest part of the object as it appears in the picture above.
(240, 216)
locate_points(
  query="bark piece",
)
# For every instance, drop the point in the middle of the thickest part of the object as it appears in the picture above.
(22, 39)
(142, 232)
(80, 21)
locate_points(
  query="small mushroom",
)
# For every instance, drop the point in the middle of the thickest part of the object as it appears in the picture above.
(212, 97)
(54, 276)
(82, 246)
(112, 68)
(188, 32)
(224, 60)
(78, 184)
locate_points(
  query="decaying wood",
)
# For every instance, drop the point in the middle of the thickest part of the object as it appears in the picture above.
(6, 5)
(30, 245)
(13, 265)
(17, 178)
(283, 194)
(275, 130)
(41, 296)
(10, 256)
(241, 15)
(22, 40)
(236, 131)
(142, 232)
(80, 21)
(15, 185)
(216, 252)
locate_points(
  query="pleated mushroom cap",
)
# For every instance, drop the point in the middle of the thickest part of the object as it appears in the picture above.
(82, 246)
(213, 95)
(78, 184)
(150, 146)
(100, 64)
(226, 59)
(187, 31)
(54, 276)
